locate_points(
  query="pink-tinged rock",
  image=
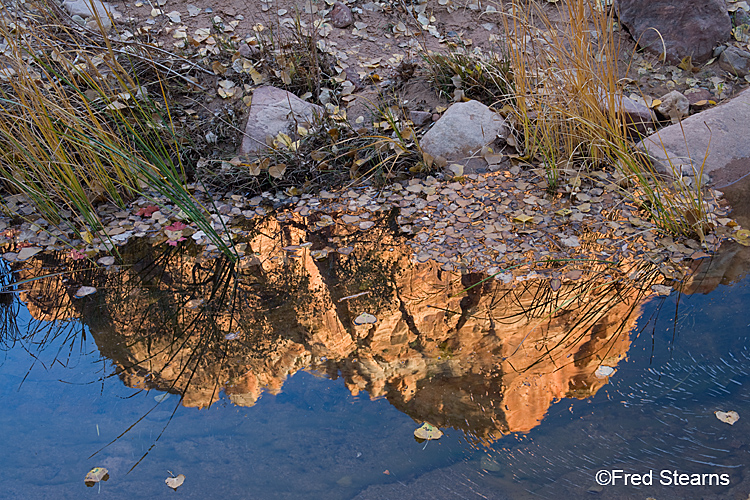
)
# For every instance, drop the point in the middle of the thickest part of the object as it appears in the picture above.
(272, 111)
(248, 51)
(735, 61)
(697, 94)
(688, 27)
(721, 131)
(341, 15)
(420, 118)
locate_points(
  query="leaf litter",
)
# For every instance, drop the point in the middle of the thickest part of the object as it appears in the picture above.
(473, 223)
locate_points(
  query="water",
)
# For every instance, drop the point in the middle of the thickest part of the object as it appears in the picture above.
(261, 386)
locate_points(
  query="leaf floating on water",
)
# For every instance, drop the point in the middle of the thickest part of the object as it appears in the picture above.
(106, 261)
(365, 319)
(742, 237)
(574, 275)
(27, 253)
(349, 297)
(662, 290)
(319, 254)
(428, 432)
(554, 284)
(95, 475)
(193, 304)
(571, 241)
(161, 397)
(85, 290)
(604, 371)
(175, 482)
(729, 417)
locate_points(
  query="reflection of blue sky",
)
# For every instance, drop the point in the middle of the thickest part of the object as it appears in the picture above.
(316, 440)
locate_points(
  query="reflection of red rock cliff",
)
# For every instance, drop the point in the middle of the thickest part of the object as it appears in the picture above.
(46, 299)
(473, 369)
(490, 361)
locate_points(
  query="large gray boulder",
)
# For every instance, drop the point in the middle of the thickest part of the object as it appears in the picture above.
(722, 131)
(462, 131)
(272, 111)
(688, 27)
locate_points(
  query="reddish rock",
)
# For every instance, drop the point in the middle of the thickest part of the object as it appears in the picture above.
(720, 131)
(341, 15)
(697, 94)
(735, 61)
(420, 118)
(688, 27)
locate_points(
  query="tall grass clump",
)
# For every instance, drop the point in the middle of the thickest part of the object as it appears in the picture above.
(567, 108)
(484, 77)
(78, 126)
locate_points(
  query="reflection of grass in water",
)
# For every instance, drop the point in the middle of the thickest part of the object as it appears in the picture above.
(185, 348)
(585, 302)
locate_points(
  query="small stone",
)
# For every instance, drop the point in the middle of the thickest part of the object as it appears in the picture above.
(674, 106)
(741, 17)
(697, 94)
(636, 114)
(247, 51)
(86, 10)
(735, 61)
(420, 118)
(341, 15)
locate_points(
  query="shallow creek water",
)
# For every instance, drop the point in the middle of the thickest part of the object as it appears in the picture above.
(257, 382)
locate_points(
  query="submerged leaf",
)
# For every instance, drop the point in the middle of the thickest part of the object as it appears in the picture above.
(428, 432)
(194, 303)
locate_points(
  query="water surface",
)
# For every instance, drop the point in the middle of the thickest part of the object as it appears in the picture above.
(256, 382)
